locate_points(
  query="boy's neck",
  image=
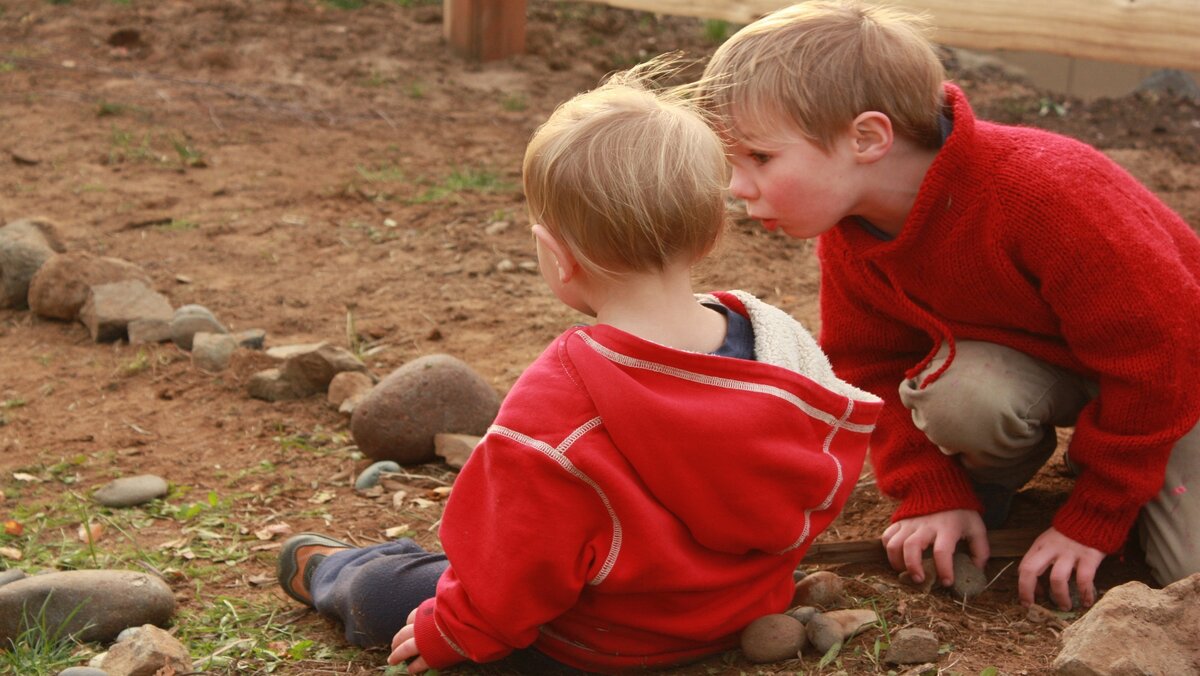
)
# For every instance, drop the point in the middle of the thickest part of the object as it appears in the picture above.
(893, 185)
(659, 307)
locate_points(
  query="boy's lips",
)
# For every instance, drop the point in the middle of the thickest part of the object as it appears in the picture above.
(769, 223)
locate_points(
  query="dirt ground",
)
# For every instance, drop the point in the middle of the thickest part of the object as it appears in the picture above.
(335, 174)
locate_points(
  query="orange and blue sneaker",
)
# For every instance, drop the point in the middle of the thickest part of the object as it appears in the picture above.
(299, 558)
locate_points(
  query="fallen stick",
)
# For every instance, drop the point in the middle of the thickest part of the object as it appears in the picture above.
(1010, 543)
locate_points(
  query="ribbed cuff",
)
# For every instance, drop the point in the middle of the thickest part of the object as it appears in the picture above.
(1099, 527)
(433, 646)
(936, 489)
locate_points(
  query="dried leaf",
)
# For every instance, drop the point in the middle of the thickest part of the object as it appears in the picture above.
(21, 476)
(260, 580)
(322, 497)
(423, 503)
(90, 532)
(397, 531)
(270, 531)
(13, 527)
(442, 491)
(10, 553)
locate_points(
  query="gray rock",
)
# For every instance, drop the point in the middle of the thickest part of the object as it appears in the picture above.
(145, 331)
(969, 580)
(912, 645)
(348, 385)
(1171, 82)
(437, 393)
(61, 286)
(131, 490)
(212, 351)
(189, 320)
(455, 449)
(804, 613)
(269, 385)
(311, 370)
(111, 307)
(251, 339)
(83, 671)
(1134, 630)
(773, 638)
(370, 476)
(92, 605)
(25, 245)
(11, 575)
(149, 652)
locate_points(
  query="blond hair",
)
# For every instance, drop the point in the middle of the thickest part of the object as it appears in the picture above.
(628, 177)
(814, 67)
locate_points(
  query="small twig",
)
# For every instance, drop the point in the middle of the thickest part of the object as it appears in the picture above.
(387, 119)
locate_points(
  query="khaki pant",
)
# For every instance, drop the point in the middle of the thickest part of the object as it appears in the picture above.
(996, 410)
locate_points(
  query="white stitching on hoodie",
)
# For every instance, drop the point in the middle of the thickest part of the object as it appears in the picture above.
(558, 455)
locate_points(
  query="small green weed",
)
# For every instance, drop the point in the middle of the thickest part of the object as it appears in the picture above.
(7, 66)
(40, 649)
(514, 102)
(463, 180)
(14, 402)
(415, 90)
(716, 31)
(188, 156)
(384, 173)
(178, 225)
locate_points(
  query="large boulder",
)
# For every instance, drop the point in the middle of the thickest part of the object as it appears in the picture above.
(398, 418)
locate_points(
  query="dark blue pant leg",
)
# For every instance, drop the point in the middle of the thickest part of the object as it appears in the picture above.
(371, 590)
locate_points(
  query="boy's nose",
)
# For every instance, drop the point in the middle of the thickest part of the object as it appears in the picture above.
(742, 187)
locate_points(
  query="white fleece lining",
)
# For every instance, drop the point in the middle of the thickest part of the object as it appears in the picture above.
(782, 341)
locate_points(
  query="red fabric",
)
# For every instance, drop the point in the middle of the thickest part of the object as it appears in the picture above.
(635, 505)
(1032, 240)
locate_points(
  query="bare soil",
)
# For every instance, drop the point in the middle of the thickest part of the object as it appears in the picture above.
(338, 175)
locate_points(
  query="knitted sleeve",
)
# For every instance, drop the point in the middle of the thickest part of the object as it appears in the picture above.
(874, 350)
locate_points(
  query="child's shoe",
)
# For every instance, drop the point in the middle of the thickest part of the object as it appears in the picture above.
(299, 558)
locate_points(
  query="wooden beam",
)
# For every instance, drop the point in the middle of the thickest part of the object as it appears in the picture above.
(1157, 33)
(1012, 543)
(484, 30)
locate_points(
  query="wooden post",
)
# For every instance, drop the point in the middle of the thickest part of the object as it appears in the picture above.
(484, 30)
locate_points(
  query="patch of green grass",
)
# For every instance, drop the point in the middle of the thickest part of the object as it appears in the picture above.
(14, 402)
(415, 90)
(126, 146)
(40, 649)
(383, 173)
(514, 102)
(7, 66)
(716, 31)
(463, 180)
(188, 155)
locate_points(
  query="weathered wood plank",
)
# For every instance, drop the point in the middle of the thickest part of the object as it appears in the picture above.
(484, 29)
(1012, 543)
(1159, 33)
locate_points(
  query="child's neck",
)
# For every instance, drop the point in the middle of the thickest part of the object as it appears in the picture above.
(896, 181)
(659, 307)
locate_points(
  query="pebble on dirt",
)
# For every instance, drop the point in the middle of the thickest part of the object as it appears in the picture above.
(83, 671)
(110, 308)
(212, 351)
(369, 477)
(131, 490)
(912, 645)
(189, 320)
(150, 651)
(436, 393)
(826, 630)
(92, 605)
(772, 638)
(822, 588)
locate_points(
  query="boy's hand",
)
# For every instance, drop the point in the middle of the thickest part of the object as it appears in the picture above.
(1062, 556)
(404, 646)
(907, 539)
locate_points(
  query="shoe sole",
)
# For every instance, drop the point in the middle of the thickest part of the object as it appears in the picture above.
(287, 568)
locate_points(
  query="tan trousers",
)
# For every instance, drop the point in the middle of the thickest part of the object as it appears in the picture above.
(996, 410)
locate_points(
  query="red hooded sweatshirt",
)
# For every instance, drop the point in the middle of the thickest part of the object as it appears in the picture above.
(635, 505)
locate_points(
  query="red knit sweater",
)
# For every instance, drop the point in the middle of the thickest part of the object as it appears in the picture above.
(635, 505)
(1028, 239)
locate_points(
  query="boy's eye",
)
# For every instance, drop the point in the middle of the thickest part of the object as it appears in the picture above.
(759, 158)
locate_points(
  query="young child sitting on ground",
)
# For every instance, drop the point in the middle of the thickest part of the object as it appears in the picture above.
(652, 480)
(990, 282)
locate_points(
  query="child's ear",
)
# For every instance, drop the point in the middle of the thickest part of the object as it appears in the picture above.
(564, 260)
(872, 136)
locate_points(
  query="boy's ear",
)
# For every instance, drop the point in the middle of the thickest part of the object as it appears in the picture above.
(564, 260)
(872, 136)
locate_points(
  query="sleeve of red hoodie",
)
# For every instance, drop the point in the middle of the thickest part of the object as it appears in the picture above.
(873, 350)
(523, 536)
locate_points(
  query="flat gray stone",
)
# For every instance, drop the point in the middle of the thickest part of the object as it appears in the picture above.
(912, 645)
(212, 351)
(11, 575)
(110, 308)
(83, 671)
(188, 320)
(130, 491)
(92, 605)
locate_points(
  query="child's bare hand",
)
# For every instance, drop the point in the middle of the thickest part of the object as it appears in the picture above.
(404, 647)
(907, 539)
(1062, 556)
